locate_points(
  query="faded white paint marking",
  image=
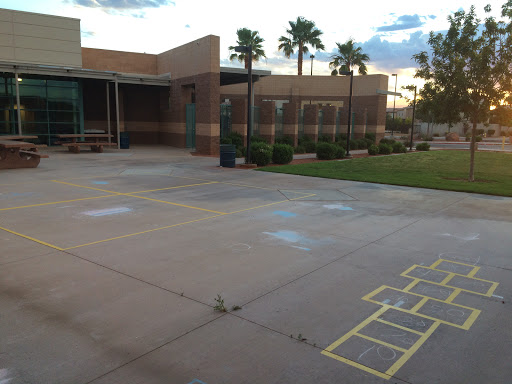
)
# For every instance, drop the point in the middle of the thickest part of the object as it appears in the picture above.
(456, 257)
(339, 207)
(4, 376)
(240, 247)
(499, 297)
(107, 211)
(469, 237)
(303, 248)
(399, 304)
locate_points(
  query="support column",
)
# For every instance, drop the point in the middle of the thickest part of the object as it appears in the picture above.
(18, 104)
(117, 114)
(239, 117)
(207, 90)
(291, 120)
(108, 112)
(268, 121)
(329, 122)
(311, 121)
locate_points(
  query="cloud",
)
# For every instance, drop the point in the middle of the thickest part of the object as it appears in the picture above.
(403, 22)
(87, 33)
(123, 4)
(187, 26)
(433, 17)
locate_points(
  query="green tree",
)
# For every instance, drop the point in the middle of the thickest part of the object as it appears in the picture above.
(347, 57)
(247, 37)
(300, 33)
(468, 70)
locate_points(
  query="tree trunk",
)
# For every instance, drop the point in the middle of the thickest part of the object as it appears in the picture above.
(246, 61)
(299, 64)
(472, 151)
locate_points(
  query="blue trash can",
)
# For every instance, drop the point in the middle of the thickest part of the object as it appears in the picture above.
(124, 140)
(227, 155)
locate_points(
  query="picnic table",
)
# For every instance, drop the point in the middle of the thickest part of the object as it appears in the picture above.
(22, 138)
(95, 140)
(19, 154)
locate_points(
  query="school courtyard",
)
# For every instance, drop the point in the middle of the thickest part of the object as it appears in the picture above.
(111, 264)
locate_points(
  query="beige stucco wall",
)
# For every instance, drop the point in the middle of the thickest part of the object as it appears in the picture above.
(40, 39)
(198, 56)
(119, 61)
(311, 86)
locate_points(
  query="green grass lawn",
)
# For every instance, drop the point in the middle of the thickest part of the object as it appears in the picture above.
(435, 169)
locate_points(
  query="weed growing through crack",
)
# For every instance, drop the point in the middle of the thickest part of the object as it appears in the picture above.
(220, 304)
(236, 307)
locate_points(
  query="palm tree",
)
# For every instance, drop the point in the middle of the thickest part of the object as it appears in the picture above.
(247, 37)
(348, 57)
(301, 32)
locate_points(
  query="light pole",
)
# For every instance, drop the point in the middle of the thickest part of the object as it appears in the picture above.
(312, 57)
(394, 101)
(247, 49)
(413, 111)
(347, 73)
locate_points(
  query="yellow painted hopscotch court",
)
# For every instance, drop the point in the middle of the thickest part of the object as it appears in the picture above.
(73, 213)
(384, 342)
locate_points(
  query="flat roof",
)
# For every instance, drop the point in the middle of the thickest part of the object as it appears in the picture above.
(232, 75)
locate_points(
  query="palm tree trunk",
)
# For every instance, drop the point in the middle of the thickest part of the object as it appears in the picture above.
(472, 151)
(299, 64)
(246, 61)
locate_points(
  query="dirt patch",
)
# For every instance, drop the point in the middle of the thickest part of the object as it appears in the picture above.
(466, 180)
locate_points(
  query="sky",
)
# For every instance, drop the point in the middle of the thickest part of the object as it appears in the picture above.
(390, 32)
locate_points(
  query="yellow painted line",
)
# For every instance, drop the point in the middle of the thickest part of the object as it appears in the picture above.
(454, 294)
(437, 262)
(404, 274)
(139, 233)
(56, 202)
(249, 186)
(32, 239)
(176, 204)
(357, 365)
(357, 328)
(411, 285)
(82, 186)
(473, 272)
(268, 205)
(373, 293)
(407, 355)
(180, 186)
(420, 304)
(471, 319)
(381, 342)
(492, 289)
(399, 326)
(447, 279)
(454, 262)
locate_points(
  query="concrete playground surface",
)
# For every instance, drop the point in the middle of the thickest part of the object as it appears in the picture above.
(111, 263)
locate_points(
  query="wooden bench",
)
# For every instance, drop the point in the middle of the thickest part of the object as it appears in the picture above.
(93, 140)
(19, 154)
(23, 138)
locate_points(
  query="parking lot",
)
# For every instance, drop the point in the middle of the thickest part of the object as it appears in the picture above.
(111, 263)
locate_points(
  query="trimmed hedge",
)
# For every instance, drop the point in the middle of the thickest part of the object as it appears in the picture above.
(326, 151)
(310, 146)
(398, 147)
(284, 140)
(299, 149)
(258, 139)
(324, 139)
(386, 141)
(282, 154)
(370, 136)
(373, 150)
(385, 149)
(423, 147)
(261, 153)
(340, 151)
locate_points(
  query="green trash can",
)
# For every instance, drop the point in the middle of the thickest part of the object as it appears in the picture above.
(124, 140)
(227, 155)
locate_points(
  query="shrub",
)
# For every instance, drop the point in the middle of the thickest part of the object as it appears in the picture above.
(342, 144)
(398, 147)
(373, 150)
(491, 132)
(423, 147)
(261, 153)
(239, 153)
(282, 154)
(386, 141)
(354, 144)
(362, 144)
(480, 132)
(341, 137)
(368, 142)
(340, 152)
(370, 136)
(324, 139)
(478, 139)
(258, 139)
(284, 140)
(310, 146)
(299, 149)
(326, 151)
(435, 135)
(226, 140)
(236, 139)
(304, 139)
(385, 149)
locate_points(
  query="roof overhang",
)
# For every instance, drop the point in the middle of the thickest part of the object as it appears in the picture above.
(125, 78)
(231, 75)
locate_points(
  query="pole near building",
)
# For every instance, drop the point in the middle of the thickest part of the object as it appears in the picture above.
(18, 104)
(347, 73)
(413, 112)
(247, 49)
(108, 112)
(394, 101)
(117, 113)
